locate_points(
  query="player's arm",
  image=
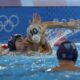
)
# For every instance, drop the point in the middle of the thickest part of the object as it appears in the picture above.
(70, 25)
(46, 47)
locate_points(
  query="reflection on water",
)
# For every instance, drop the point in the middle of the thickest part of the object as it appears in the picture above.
(30, 68)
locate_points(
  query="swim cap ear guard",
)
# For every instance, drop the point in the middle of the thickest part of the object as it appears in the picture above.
(36, 38)
(67, 51)
(11, 41)
(11, 44)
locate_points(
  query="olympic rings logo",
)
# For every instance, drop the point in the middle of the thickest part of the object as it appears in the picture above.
(8, 23)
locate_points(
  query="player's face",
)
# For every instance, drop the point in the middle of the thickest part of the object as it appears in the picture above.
(19, 44)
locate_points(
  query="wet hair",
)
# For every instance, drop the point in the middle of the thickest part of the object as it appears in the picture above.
(12, 40)
(67, 51)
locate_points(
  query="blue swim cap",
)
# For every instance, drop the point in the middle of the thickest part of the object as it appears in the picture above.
(67, 51)
(11, 42)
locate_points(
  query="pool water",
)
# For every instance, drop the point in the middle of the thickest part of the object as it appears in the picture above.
(30, 68)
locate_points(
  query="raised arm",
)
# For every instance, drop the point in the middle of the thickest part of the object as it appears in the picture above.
(71, 25)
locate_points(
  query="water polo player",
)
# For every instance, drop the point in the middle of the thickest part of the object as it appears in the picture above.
(15, 44)
(36, 41)
(67, 56)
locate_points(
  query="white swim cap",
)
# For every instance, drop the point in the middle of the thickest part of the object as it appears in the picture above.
(36, 38)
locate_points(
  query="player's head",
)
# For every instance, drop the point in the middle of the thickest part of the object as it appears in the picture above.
(34, 33)
(14, 41)
(67, 51)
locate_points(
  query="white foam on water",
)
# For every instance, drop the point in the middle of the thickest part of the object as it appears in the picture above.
(67, 76)
(1, 67)
(48, 70)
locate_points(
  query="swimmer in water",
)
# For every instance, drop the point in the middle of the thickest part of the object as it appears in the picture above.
(67, 56)
(36, 41)
(15, 44)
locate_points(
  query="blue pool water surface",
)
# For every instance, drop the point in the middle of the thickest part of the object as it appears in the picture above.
(30, 68)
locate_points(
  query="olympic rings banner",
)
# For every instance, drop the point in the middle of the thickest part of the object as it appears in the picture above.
(16, 19)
